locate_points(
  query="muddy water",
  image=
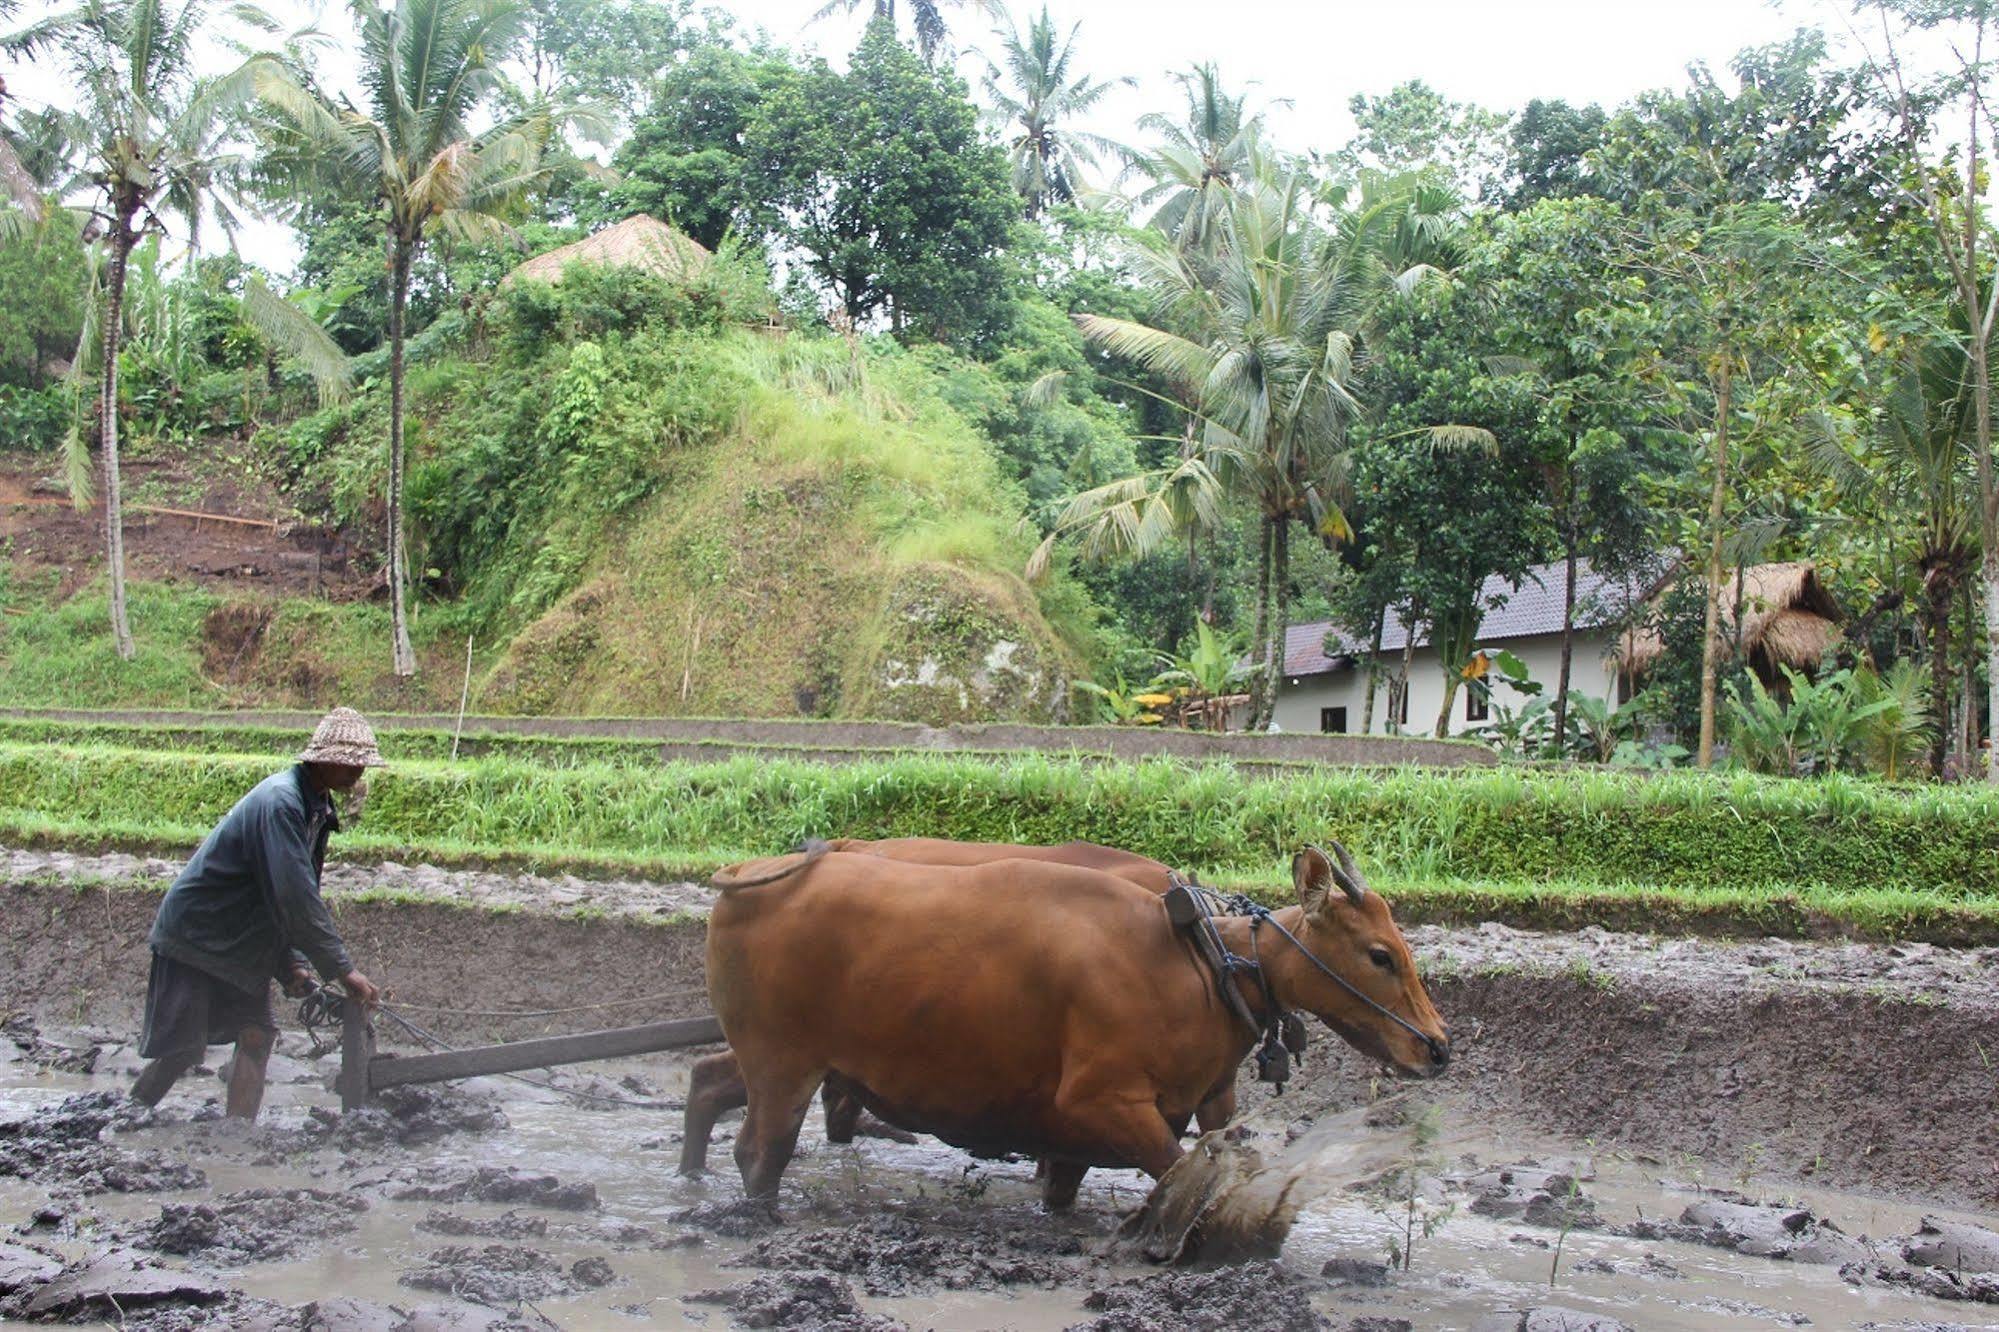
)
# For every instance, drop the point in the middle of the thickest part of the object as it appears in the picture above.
(924, 1235)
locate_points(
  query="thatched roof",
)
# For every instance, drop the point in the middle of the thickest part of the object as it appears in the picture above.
(1788, 619)
(637, 242)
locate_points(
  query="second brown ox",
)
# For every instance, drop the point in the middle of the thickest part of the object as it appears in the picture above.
(1028, 1007)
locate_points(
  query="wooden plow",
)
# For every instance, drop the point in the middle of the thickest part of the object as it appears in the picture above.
(363, 1072)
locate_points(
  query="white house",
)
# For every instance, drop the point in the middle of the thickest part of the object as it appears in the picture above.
(1324, 685)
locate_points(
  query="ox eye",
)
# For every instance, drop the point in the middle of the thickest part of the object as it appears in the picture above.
(1382, 958)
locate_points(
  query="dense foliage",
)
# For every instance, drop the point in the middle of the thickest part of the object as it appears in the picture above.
(1228, 383)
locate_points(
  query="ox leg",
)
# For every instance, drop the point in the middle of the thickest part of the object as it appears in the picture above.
(843, 1108)
(1059, 1182)
(1218, 1110)
(778, 1102)
(1105, 1114)
(714, 1087)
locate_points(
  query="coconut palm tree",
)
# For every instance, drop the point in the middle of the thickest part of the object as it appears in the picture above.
(156, 138)
(1258, 334)
(1915, 455)
(427, 67)
(1034, 98)
(1201, 159)
(926, 16)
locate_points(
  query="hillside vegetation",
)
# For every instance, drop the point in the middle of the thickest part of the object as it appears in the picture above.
(631, 503)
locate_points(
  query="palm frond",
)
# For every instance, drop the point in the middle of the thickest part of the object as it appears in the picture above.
(298, 337)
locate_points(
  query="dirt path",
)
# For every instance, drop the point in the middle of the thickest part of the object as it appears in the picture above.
(42, 530)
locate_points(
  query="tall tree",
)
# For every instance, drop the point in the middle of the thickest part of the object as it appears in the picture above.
(1950, 186)
(1552, 141)
(1741, 321)
(1910, 458)
(687, 159)
(156, 139)
(1444, 510)
(1413, 128)
(1561, 306)
(427, 67)
(881, 178)
(925, 16)
(1201, 160)
(1035, 99)
(1259, 336)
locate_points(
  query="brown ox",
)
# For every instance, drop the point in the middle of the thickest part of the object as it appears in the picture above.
(1025, 1006)
(715, 1084)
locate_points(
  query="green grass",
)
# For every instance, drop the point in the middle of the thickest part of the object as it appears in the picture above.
(1731, 853)
(56, 651)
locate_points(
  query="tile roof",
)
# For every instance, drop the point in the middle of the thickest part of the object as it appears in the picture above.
(1523, 610)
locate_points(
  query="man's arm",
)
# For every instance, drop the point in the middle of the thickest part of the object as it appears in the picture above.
(293, 887)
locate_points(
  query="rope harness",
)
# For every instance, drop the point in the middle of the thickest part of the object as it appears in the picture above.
(1193, 907)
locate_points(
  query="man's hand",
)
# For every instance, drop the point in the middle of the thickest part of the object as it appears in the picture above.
(299, 984)
(361, 988)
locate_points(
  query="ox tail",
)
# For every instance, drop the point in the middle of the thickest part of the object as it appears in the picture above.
(812, 847)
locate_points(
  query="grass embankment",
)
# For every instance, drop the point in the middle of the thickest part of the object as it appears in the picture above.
(1678, 852)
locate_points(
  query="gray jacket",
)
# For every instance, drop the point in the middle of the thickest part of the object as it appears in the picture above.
(247, 905)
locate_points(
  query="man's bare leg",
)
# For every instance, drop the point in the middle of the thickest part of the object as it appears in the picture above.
(157, 1078)
(246, 1079)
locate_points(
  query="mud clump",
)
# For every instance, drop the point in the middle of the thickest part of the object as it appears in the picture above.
(742, 1219)
(897, 1254)
(1538, 1197)
(347, 1315)
(405, 1117)
(109, 1285)
(62, 1147)
(254, 1225)
(1757, 1230)
(796, 1302)
(1253, 1297)
(27, 1038)
(504, 1274)
(492, 1184)
(1954, 1245)
(510, 1224)
(1548, 1318)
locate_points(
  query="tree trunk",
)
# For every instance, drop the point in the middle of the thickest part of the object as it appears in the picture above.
(1259, 643)
(405, 655)
(1711, 638)
(1399, 712)
(1991, 655)
(1373, 673)
(1280, 578)
(1568, 644)
(1967, 729)
(122, 239)
(1937, 623)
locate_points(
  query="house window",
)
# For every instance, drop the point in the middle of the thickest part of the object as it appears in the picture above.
(1478, 705)
(1333, 721)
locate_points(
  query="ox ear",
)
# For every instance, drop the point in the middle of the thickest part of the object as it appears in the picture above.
(1312, 874)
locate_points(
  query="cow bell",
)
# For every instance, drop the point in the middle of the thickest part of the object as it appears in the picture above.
(1273, 1062)
(1293, 1032)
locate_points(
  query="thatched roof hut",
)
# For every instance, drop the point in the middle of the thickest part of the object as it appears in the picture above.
(637, 242)
(1787, 619)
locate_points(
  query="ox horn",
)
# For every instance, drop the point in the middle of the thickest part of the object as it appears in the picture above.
(1348, 875)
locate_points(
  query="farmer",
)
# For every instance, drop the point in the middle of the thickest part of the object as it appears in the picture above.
(246, 911)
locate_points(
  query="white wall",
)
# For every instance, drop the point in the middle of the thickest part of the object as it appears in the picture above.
(1299, 701)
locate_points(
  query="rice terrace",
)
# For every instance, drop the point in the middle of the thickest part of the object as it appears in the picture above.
(947, 664)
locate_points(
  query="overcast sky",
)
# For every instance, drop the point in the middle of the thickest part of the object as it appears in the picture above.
(1315, 54)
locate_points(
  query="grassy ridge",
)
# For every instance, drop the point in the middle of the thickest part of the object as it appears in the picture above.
(1681, 832)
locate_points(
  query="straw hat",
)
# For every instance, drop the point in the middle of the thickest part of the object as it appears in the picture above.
(344, 737)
